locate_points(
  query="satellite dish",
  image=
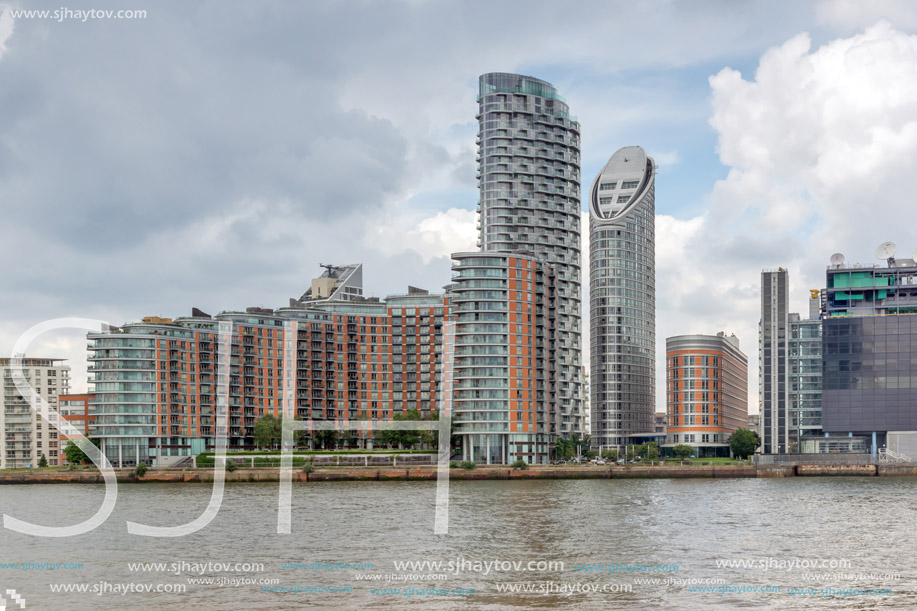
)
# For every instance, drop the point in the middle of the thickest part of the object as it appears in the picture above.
(837, 259)
(886, 250)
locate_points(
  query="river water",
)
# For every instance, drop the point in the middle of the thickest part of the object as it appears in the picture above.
(840, 538)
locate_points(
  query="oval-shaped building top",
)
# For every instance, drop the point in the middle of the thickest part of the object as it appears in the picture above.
(622, 183)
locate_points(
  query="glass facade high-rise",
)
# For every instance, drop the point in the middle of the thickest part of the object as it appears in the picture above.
(772, 359)
(622, 299)
(529, 178)
(805, 380)
(503, 305)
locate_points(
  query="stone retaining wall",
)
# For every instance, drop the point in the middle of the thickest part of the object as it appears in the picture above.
(427, 472)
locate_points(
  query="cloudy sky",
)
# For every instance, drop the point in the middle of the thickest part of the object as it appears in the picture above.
(212, 154)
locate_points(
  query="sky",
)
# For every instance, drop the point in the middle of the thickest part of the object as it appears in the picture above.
(212, 154)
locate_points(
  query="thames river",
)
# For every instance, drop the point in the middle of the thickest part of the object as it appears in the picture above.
(800, 543)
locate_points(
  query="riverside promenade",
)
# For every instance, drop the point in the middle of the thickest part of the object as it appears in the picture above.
(428, 472)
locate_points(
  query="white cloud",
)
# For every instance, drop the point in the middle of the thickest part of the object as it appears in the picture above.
(436, 236)
(6, 27)
(820, 146)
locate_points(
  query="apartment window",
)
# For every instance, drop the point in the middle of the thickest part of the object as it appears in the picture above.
(630, 184)
(606, 201)
(607, 186)
(623, 199)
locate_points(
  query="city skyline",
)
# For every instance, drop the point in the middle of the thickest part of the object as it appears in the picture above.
(177, 231)
(458, 303)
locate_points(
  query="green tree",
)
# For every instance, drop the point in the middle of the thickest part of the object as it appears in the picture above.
(564, 448)
(683, 451)
(42, 462)
(325, 439)
(650, 451)
(267, 431)
(743, 443)
(74, 453)
(403, 439)
(610, 455)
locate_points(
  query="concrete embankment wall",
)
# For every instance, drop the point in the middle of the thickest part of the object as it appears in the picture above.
(269, 474)
(861, 470)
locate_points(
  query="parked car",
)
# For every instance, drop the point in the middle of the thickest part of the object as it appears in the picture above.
(560, 462)
(598, 461)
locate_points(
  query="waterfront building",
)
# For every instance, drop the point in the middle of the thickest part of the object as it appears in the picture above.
(772, 358)
(622, 300)
(348, 359)
(804, 389)
(707, 392)
(790, 369)
(869, 342)
(26, 435)
(529, 179)
(505, 400)
(75, 410)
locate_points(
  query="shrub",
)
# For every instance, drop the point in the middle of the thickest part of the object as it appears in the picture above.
(520, 464)
(683, 450)
(453, 464)
(467, 464)
(231, 465)
(140, 469)
(42, 462)
(307, 467)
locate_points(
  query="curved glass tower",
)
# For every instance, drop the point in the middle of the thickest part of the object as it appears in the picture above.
(622, 299)
(529, 178)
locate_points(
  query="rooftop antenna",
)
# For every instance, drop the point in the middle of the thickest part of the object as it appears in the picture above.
(327, 267)
(837, 260)
(887, 250)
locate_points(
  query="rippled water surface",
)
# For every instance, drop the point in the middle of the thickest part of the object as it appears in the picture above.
(869, 524)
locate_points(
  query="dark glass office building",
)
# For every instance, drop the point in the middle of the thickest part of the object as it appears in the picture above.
(870, 351)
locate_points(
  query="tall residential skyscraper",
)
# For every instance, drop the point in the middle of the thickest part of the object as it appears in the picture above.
(772, 358)
(529, 178)
(622, 298)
